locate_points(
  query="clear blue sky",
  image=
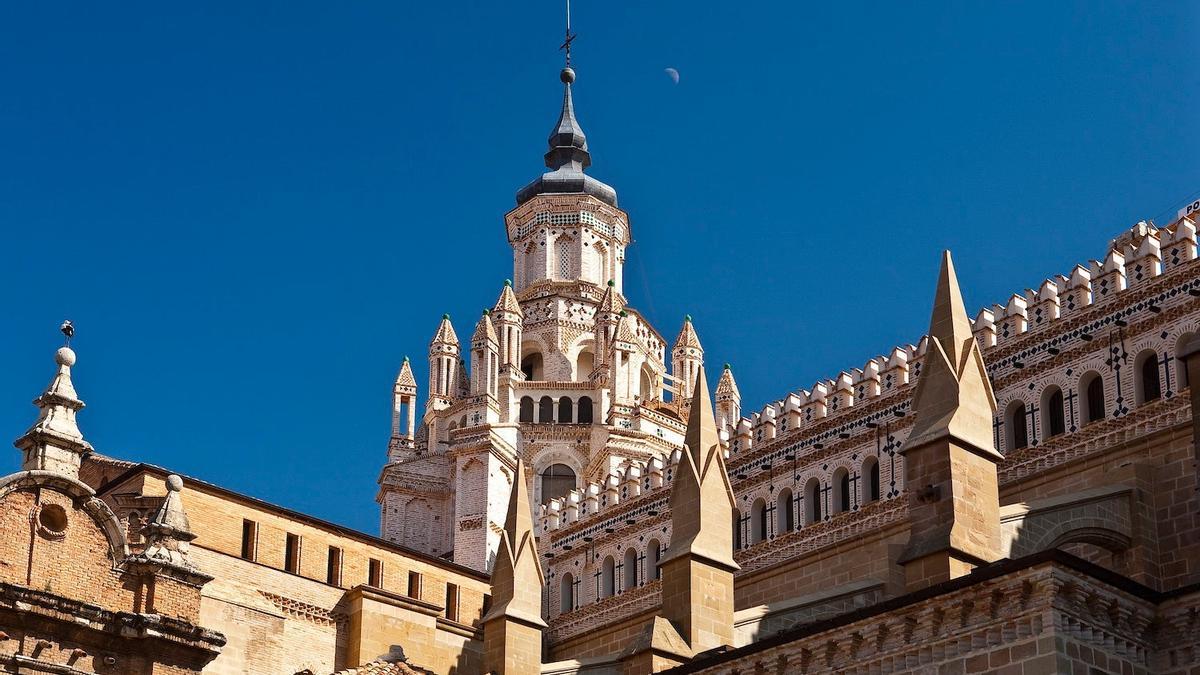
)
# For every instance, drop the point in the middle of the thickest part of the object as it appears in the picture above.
(253, 211)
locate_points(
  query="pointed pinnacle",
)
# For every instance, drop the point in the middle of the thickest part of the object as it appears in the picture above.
(702, 423)
(518, 521)
(949, 323)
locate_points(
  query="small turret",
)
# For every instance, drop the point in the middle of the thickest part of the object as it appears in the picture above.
(729, 400)
(443, 366)
(608, 315)
(404, 400)
(54, 442)
(485, 357)
(507, 316)
(687, 357)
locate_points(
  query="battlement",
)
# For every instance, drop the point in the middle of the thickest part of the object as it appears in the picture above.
(1133, 260)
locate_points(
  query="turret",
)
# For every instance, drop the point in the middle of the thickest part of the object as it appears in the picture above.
(485, 357)
(729, 401)
(443, 366)
(687, 357)
(404, 412)
(567, 226)
(507, 317)
(54, 442)
(608, 315)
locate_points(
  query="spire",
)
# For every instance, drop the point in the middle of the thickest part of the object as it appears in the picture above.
(611, 302)
(953, 395)
(568, 156)
(568, 143)
(445, 332)
(517, 578)
(949, 457)
(484, 330)
(687, 337)
(701, 497)
(54, 442)
(405, 379)
(727, 389)
(169, 532)
(507, 302)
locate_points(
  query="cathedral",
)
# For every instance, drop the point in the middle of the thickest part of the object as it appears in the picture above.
(1014, 492)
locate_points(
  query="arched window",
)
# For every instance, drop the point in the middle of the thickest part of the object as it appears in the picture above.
(812, 495)
(737, 530)
(785, 512)
(1182, 379)
(841, 490)
(1018, 435)
(1147, 386)
(758, 521)
(645, 386)
(585, 410)
(1093, 397)
(870, 480)
(608, 578)
(546, 410)
(566, 594)
(629, 572)
(557, 481)
(526, 410)
(584, 365)
(531, 366)
(1054, 418)
(566, 411)
(653, 557)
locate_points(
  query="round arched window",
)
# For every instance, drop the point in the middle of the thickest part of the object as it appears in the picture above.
(557, 481)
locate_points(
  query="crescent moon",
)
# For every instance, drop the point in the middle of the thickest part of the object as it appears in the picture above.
(673, 74)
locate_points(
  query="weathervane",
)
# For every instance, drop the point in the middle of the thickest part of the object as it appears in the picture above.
(566, 45)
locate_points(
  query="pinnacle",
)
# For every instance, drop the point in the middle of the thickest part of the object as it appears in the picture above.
(687, 337)
(518, 520)
(405, 377)
(954, 396)
(445, 332)
(507, 302)
(726, 386)
(949, 323)
(701, 432)
(484, 330)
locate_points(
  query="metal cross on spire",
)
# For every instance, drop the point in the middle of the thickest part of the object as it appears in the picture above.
(566, 45)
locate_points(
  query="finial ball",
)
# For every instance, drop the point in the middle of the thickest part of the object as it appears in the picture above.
(174, 483)
(65, 356)
(567, 75)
